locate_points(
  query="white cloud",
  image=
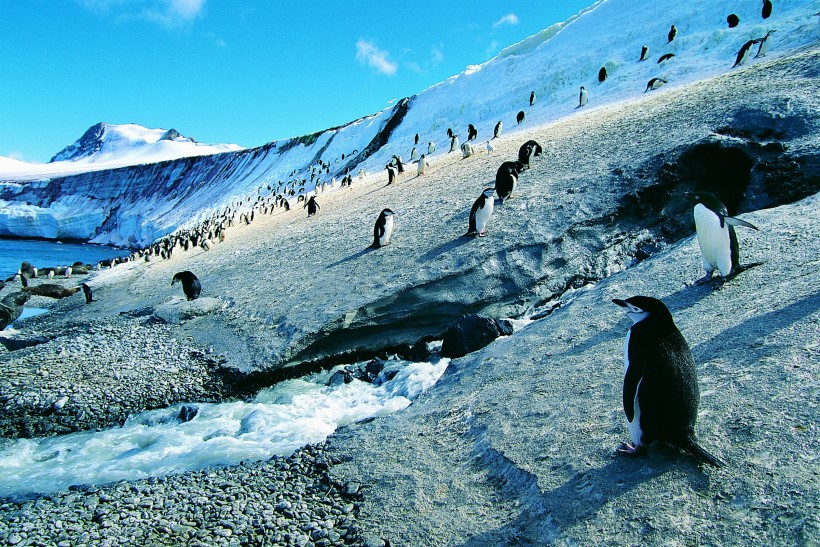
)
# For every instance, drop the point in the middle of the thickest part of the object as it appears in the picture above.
(367, 52)
(436, 56)
(509, 19)
(168, 13)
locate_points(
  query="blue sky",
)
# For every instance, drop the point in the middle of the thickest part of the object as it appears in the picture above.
(244, 71)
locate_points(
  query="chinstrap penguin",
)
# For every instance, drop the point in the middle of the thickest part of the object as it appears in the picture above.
(481, 212)
(383, 228)
(190, 284)
(719, 248)
(660, 391)
(506, 178)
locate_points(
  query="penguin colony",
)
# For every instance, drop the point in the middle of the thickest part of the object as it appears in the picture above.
(660, 388)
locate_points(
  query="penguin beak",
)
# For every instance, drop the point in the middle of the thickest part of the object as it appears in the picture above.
(618, 301)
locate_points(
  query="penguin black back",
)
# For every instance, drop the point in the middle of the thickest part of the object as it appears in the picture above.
(190, 284)
(767, 9)
(602, 74)
(89, 296)
(520, 117)
(660, 392)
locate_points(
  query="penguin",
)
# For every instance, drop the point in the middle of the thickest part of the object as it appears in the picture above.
(583, 97)
(312, 206)
(506, 178)
(660, 391)
(422, 165)
(528, 150)
(190, 284)
(716, 235)
(416, 141)
(399, 164)
(361, 173)
(480, 213)
(89, 296)
(454, 143)
(431, 147)
(672, 33)
(466, 150)
(767, 9)
(391, 174)
(745, 51)
(733, 20)
(497, 130)
(472, 132)
(602, 74)
(19, 278)
(383, 228)
(413, 154)
(51, 274)
(764, 45)
(665, 57)
(654, 83)
(449, 133)
(532, 98)
(520, 117)
(68, 272)
(490, 147)
(644, 53)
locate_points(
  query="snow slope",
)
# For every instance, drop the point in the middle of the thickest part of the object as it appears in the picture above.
(553, 63)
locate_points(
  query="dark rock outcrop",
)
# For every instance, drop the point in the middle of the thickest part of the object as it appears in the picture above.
(472, 332)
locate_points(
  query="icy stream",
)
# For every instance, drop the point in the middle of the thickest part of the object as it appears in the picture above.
(277, 421)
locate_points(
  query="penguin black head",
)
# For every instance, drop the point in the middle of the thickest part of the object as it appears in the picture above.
(488, 192)
(387, 212)
(639, 308)
(708, 199)
(89, 297)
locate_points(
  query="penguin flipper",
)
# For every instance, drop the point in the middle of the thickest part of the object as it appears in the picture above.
(737, 222)
(700, 454)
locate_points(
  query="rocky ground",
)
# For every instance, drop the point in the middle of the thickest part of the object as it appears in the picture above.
(515, 444)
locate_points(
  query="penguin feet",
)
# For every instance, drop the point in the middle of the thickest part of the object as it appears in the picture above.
(626, 449)
(482, 234)
(705, 279)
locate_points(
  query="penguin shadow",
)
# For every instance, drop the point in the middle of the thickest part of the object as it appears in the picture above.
(547, 512)
(354, 256)
(693, 292)
(758, 327)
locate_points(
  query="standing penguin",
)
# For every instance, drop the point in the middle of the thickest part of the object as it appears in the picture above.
(532, 98)
(506, 178)
(490, 147)
(654, 83)
(417, 139)
(466, 150)
(190, 284)
(716, 235)
(644, 53)
(602, 74)
(745, 51)
(764, 44)
(391, 174)
(89, 296)
(733, 20)
(399, 165)
(422, 165)
(527, 152)
(68, 272)
(497, 130)
(480, 213)
(583, 97)
(767, 9)
(520, 117)
(312, 206)
(413, 153)
(660, 393)
(472, 132)
(431, 147)
(672, 33)
(383, 228)
(454, 143)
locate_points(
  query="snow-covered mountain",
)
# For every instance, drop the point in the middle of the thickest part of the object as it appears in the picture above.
(135, 204)
(106, 143)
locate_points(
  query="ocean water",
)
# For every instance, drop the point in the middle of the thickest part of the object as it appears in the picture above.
(277, 421)
(44, 254)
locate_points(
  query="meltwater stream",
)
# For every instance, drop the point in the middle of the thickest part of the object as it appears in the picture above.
(277, 421)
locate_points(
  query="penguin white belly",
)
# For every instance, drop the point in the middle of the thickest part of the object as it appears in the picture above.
(422, 166)
(634, 426)
(482, 216)
(714, 242)
(388, 231)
